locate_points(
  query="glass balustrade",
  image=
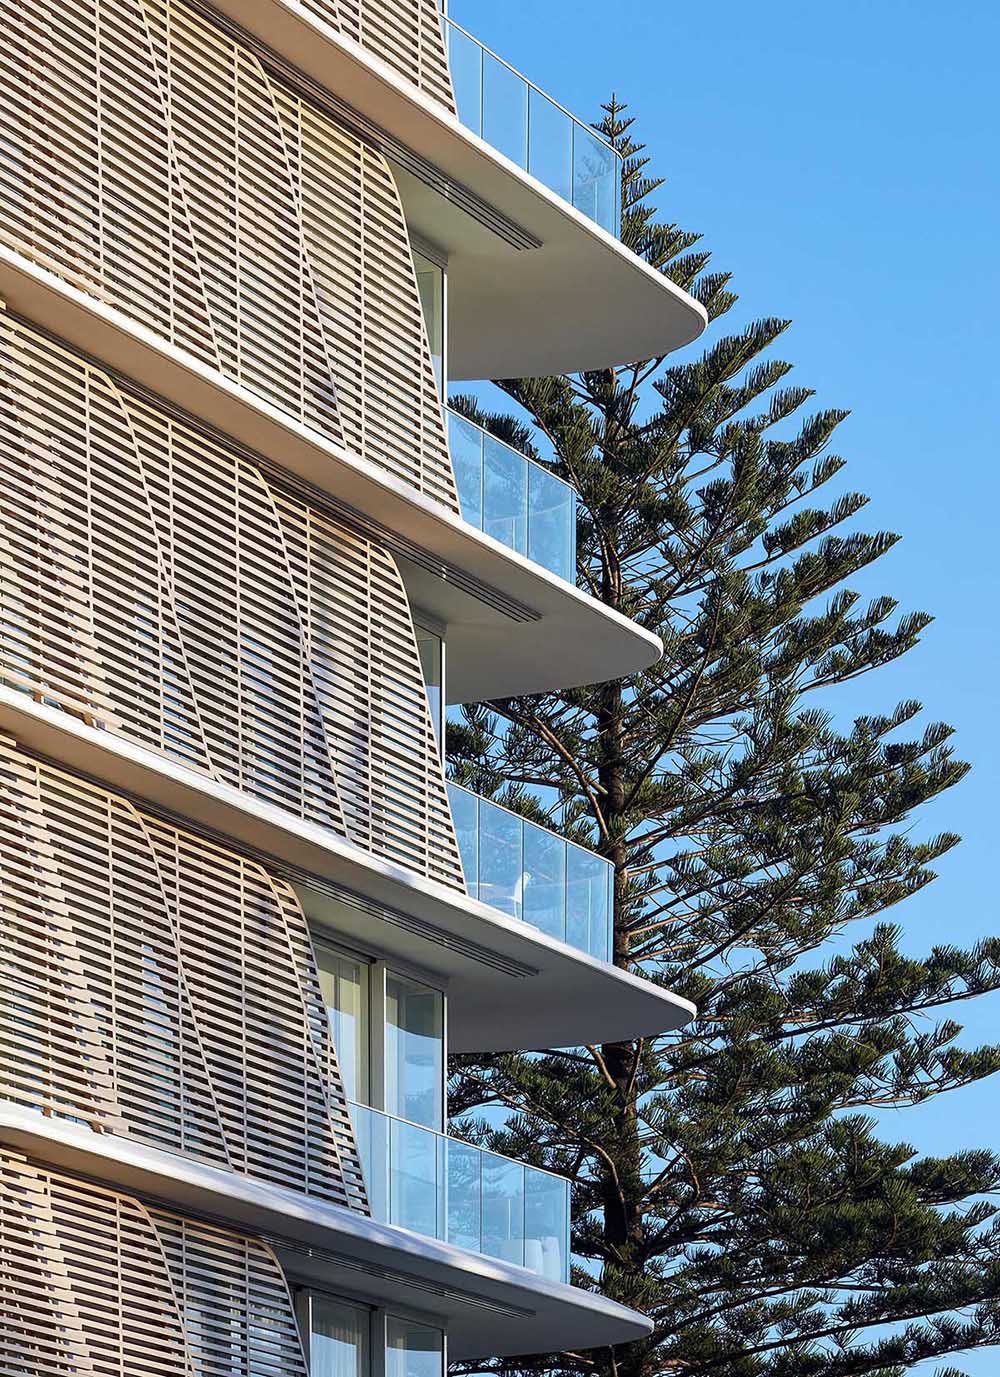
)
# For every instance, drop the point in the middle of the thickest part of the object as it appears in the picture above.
(533, 874)
(534, 131)
(513, 499)
(447, 1189)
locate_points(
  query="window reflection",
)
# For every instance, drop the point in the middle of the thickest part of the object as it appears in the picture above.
(414, 1052)
(340, 1339)
(412, 1350)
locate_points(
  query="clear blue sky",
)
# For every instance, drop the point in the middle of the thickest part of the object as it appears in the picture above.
(843, 161)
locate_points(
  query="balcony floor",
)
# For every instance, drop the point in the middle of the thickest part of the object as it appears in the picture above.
(489, 1308)
(513, 627)
(535, 287)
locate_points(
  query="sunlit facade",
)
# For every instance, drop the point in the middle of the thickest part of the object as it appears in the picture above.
(249, 556)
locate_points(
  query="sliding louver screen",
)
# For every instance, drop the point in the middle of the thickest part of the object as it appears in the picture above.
(154, 163)
(158, 585)
(405, 34)
(98, 1283)
(157, 987)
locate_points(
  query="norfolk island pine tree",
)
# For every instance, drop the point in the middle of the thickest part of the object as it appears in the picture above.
(730, 1180)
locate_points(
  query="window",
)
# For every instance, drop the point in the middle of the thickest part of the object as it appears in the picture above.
(344, 981)
(338, 1338)
(388, 1031)
(431, 648)
(342, 1339)
(412, 1350)
(430, 282)
(414, 1052)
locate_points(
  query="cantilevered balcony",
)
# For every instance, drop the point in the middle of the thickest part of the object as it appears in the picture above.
(531, 129)
(513, 499)
(448, 1189)
(533, 874)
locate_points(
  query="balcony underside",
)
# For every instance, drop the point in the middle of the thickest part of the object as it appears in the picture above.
(534, 286)
(490, 1308)
(509, 986)
(512, 626)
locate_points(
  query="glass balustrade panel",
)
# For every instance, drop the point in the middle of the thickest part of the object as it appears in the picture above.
(550, 144)
(531, 873)
(465, 815)
(512, 498)
(466, 444)
(544, 904)
(465, 1195)
(588, 902)
(551, 523)
(465, 58)
(503, 1209)
(546, 1224)
(505, 110)
(596, 179)
(501, 862)
(505, 495)
(534, 131)
(445, 1188)
(416, 1170)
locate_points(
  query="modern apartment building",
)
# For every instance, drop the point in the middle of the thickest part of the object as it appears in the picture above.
(247, 558)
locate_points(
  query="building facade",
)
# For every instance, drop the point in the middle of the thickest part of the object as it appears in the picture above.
(247, 556)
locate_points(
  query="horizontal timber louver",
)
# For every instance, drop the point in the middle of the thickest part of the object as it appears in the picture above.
(154, 163)
(156, 584)
(97, 1283)
(158, 987)
(405, 34)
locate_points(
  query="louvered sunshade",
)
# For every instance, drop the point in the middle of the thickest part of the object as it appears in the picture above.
(154, 163)
(96, 1283)
(157, 584)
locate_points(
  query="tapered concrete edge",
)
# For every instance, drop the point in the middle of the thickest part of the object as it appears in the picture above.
(489, 1307)
(513, 627)
(510, 986)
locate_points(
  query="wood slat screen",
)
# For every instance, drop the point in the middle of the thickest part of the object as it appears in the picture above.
(95, 1282)
(157, 584)
(154, 163)
(405, 34)
(158, 987)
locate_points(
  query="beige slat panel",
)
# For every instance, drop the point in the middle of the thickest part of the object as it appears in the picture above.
(405, 34)
(154, 163)
(157, 986)
(94, 1282)
(215, 617)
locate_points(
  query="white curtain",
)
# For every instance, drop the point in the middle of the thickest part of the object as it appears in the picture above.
(338, 1340)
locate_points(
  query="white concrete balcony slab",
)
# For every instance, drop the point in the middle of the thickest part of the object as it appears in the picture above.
(510, 985)
(513, 627)
(488, 1307)
(535, 285)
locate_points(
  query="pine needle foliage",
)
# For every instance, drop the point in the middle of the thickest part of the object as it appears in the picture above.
(730, 1180)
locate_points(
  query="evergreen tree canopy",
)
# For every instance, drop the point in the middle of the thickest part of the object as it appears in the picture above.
(729, 1179)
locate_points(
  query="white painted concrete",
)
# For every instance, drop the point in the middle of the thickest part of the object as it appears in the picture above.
(489, 1307)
